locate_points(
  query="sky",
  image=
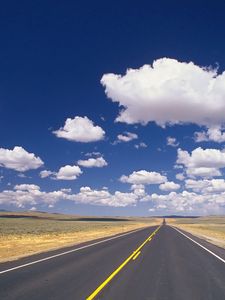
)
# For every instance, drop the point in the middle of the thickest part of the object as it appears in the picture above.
(112, 107)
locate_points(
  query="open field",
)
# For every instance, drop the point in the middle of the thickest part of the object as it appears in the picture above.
(211, 228)
(23, 234)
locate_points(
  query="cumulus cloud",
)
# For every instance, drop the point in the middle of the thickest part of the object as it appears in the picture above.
(139, 190)
(169, 186)
(94, 153)
(188, 202)
(202, 162)
(202, 196)
(140, 145)
(26, 195)
(45, 173)
(26, 187)
(203, 172)
(19, 159)
(127, 137)
(68, 173)
(172, 142)
(98, 162)
(143, 177)
(65, 173)
(33, 208)
(213, 134)
(80, 129)
(169, 92)
(206, 186)
(180, 176)
(206, 196)
(21, 175)
(103, 197)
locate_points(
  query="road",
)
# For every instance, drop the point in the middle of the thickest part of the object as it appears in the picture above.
(164, 266)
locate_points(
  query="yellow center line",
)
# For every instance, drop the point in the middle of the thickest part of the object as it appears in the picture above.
(135, 253)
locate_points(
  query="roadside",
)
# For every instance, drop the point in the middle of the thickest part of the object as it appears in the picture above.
(21, 237)
(211, 229)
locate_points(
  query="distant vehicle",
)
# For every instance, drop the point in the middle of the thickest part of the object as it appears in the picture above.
(164, 221)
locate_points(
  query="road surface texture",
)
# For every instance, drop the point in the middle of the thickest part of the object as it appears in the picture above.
(149, 264)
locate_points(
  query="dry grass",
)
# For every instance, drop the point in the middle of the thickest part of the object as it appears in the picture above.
(211, 229)
(21, 237)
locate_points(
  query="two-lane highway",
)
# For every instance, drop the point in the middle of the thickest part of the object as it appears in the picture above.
(171, 268)
(71, 276)
(166, 265)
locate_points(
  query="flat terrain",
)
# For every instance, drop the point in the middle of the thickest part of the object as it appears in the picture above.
(169, 266)
(211, 228)
(23, 234)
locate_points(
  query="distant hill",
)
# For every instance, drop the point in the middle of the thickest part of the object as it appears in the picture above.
(57, 216)
(177, 217)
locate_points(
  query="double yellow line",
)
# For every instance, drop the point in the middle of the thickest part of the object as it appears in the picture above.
(133, 256)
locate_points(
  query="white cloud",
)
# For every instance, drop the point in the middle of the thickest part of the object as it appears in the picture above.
(207, 196)
(211, 200)
(89, 154)
(19, 159)
(143, 177)
(202, 162)
(30, 195)
(189, 203)
(216, 185)
(139, 190)
(214, 134)
(169, 186)
(196, 185)
(151, 209)
(169, 92)
(21, 175)
(104, 198)
(26, 195)
(161, 206)
(201, 136)
(203, 172)
(65, 173)
(66, 191)
(98, 162)
(80, 129)
(68, 173)
(180, 176)
(45, 173)
(127, 137)
(178, 202)
(33, 208)
(172, 142)
(206, 186)
(26, 187)
(140, 145)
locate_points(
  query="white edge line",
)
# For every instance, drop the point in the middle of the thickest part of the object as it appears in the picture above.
(206, 249)
(69, 251)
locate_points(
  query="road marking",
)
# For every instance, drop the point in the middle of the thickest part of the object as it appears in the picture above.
(101, 286)
(206, 249)
(136, 255)
(68, 252)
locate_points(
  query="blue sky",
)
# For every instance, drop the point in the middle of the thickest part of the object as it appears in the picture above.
(122, 103)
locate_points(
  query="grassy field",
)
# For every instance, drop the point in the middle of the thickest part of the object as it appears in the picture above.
(211, 228)
(23, 234)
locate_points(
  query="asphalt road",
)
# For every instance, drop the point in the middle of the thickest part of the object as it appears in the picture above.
(168, 267)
